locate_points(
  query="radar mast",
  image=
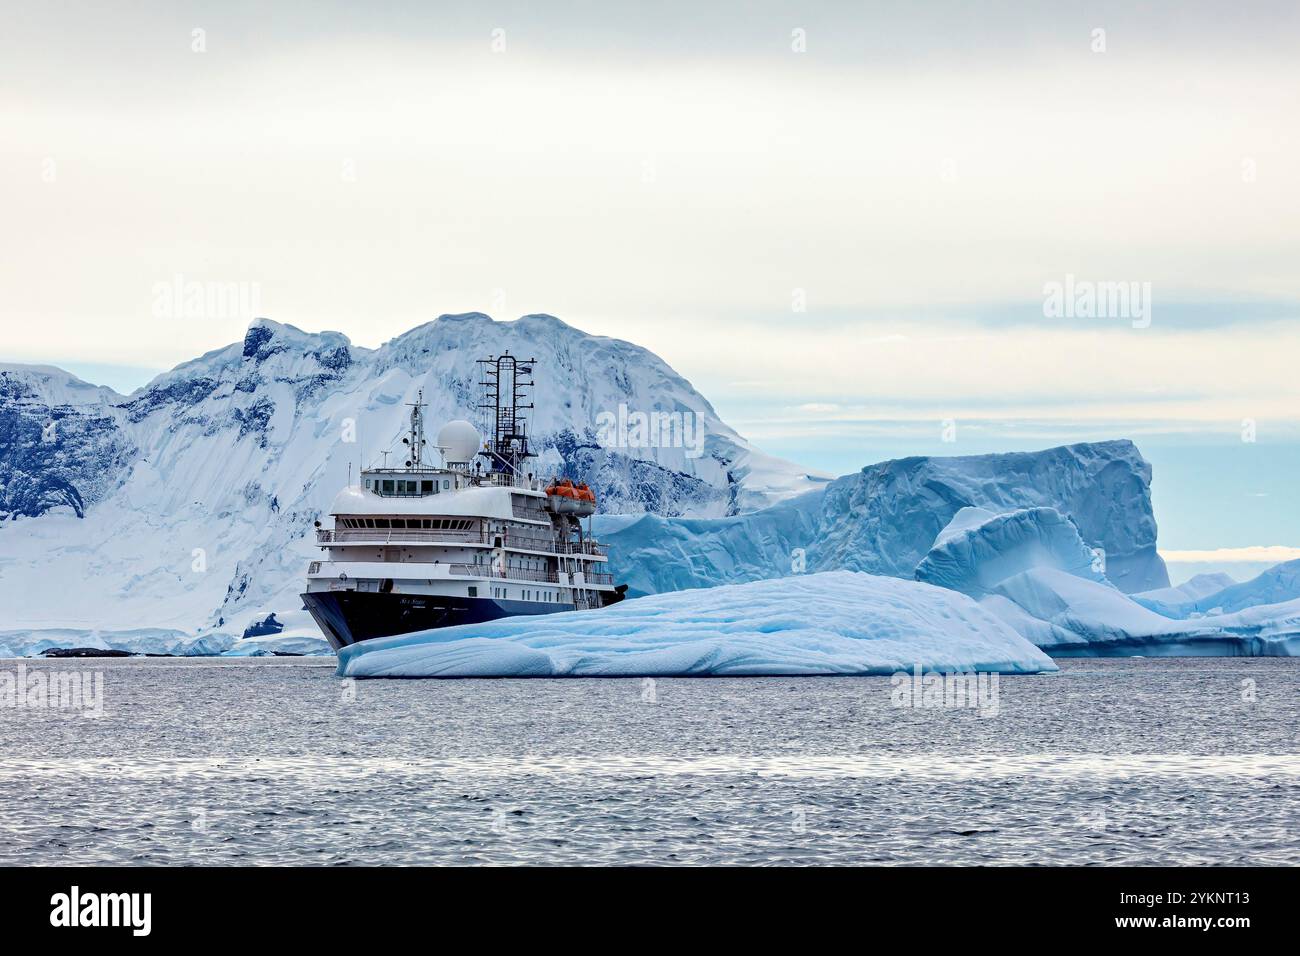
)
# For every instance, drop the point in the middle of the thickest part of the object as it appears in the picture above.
(505, 381)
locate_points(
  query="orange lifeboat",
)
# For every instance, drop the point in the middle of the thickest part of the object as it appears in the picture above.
(564, 497)
(564, 488)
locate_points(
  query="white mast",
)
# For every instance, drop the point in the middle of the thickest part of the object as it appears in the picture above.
(416, 439)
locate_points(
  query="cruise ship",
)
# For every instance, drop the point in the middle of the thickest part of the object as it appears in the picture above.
(475, 537)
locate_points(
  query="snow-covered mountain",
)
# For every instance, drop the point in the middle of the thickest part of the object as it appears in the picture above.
(188, 504)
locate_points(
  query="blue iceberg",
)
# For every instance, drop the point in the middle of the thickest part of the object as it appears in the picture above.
(838, 622)
(1278, 585)
(978, 549)
(1031, 568)
(885, 519)
(1069, 616)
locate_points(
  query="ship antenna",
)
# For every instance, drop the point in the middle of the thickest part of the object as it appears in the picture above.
(416, 439)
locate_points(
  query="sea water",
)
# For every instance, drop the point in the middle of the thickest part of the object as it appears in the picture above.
(211, 761)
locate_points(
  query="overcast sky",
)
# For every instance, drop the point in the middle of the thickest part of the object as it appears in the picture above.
(823, 214)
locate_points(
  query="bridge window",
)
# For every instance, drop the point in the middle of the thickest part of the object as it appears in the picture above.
(426, 487)
(388, 486)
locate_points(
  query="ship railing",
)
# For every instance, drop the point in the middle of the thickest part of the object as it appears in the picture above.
(518, 574)
(510, 539)
(529, 511)
(513, 539)
(501, 479)
(490, 571)
(587, 547)
(388, 535)
(555, 547)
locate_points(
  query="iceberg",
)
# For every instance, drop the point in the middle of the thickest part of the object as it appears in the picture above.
(885, 519)
(1193, 588)
(653, 554)
(836, 622)
(1278, 585)
(1031, 569)
(1069, 616)
(978, 549)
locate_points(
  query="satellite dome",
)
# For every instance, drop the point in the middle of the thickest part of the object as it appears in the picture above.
(459, 441)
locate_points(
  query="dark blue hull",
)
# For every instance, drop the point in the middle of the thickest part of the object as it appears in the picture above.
(348, 617)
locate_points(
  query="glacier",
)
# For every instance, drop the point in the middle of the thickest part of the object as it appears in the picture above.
(303, 641)
(834, 622)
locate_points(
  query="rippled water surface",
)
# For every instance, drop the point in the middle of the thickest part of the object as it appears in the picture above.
(1188, 761)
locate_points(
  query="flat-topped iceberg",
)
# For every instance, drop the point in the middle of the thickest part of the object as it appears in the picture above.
(837, 622)
(885, 519)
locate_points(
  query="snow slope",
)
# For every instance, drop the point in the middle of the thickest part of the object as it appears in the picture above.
(839, 622)
(187, 506)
